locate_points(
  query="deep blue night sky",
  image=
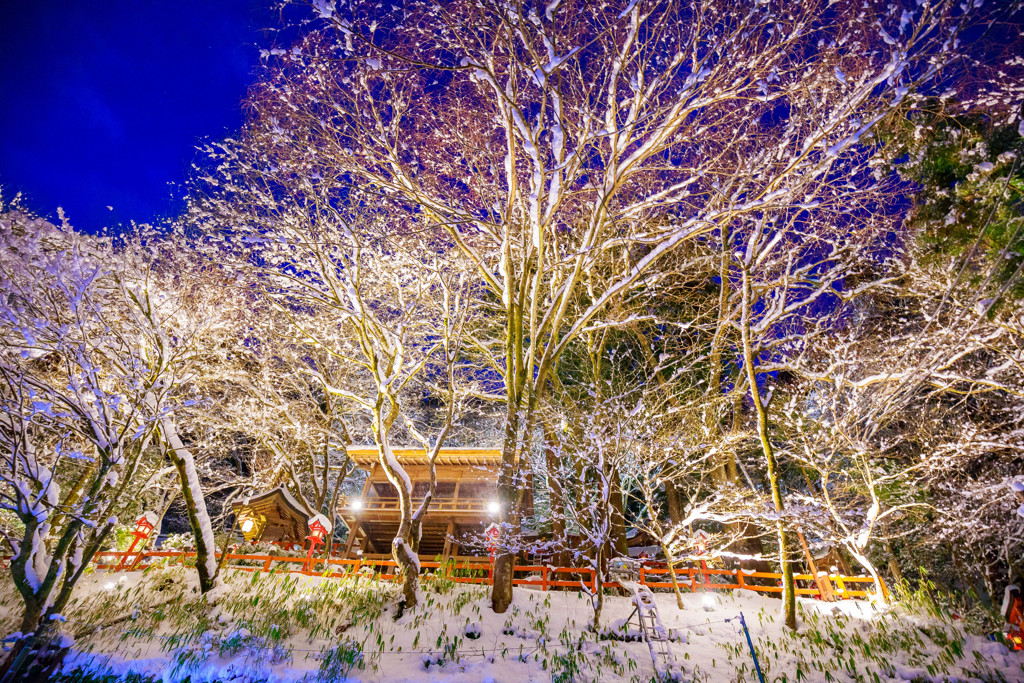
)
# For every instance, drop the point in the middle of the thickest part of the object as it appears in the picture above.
(103, 102)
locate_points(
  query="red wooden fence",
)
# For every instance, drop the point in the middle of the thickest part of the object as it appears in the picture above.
(540, 576)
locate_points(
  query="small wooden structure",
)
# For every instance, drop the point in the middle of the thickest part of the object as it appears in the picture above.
(464, 503)
(272, 517)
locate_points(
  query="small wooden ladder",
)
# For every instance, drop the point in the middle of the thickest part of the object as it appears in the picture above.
(655, 634)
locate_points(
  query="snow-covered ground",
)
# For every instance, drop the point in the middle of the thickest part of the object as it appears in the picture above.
(290, 628)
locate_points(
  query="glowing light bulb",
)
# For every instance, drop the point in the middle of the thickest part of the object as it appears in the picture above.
(356, 504)
(493, 507)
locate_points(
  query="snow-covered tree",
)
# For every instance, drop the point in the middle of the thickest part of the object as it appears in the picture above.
(360, 285)
(191, 317)
(545, 141)
(75, 421)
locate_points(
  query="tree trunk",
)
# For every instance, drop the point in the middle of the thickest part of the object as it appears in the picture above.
(35, 657)
(20, 664)
(883, 594)
(510, 498)
(555, 493)
(671, 562)
(788, 585)
(195, 505)
(894, 565)
(227, 544)
(408, 564)
(598, 596)
(620, 544)
(672, 502)
(403, 549)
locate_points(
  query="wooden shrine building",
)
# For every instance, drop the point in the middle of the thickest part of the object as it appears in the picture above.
(464, 503)
(272, 517)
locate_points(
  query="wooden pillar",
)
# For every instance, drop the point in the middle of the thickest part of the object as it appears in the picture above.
(448, 536)
(358, 528)
(352, 533)
(672, 500)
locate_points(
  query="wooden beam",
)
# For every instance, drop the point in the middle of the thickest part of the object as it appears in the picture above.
(369, 479)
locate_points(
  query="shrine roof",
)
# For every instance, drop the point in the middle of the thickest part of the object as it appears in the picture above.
(366, 456)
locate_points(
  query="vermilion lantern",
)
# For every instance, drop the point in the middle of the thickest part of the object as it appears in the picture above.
(700, 545)
(319, 527)
(144, 526)
(491, 533)
(317, 534)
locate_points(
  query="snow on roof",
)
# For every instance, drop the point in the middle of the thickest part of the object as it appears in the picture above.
(364, 455)
(323, 521)
(150, 517)
(289, 499)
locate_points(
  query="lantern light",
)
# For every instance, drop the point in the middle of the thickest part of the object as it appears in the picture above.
(493, 507)
(246, 526)
(146, 523)
(356, 504)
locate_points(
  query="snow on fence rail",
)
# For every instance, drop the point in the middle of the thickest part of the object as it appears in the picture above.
(543, 577)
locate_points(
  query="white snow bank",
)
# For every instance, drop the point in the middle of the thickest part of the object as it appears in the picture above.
(454, 636)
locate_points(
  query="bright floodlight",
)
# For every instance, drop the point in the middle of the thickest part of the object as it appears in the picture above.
(246, 526)
(356, 504)
(493, 507)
